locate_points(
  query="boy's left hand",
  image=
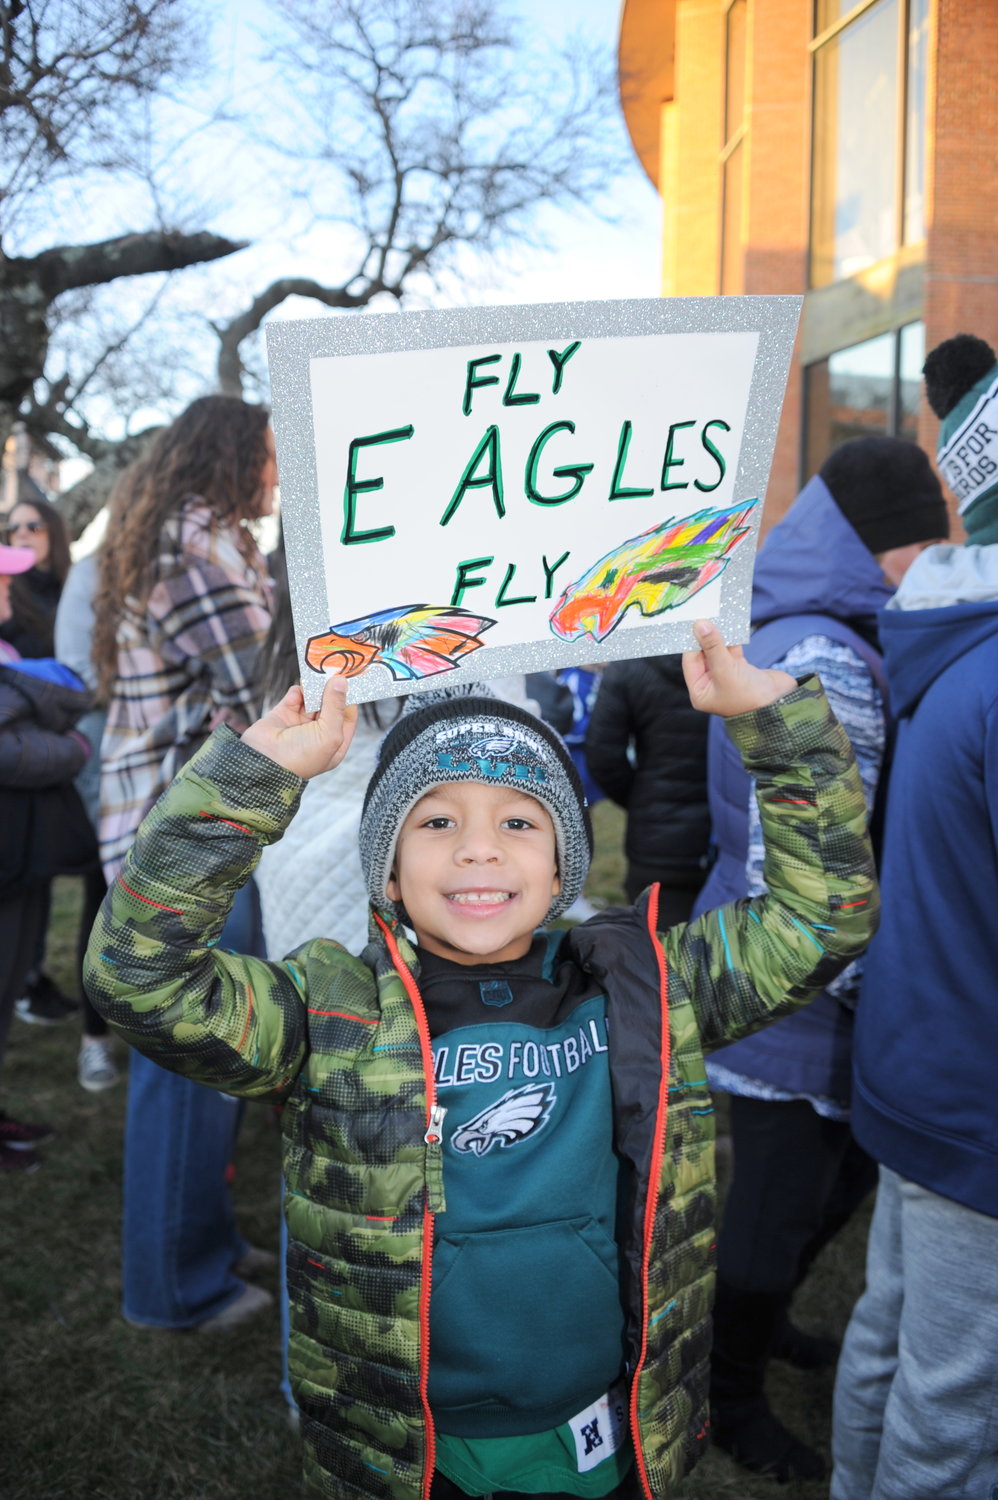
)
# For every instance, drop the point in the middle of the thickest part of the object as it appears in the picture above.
(306, 744)
(721, 681)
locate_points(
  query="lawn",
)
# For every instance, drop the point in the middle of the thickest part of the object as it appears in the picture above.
(91, 1409)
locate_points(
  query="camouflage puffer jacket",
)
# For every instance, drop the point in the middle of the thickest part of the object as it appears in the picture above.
(344, 1041)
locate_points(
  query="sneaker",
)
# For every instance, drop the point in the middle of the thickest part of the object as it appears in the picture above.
(22, 1160)
(17, 1135)
(254, 1262)
(96, 1069)
(251, 1300)
(44, 1003)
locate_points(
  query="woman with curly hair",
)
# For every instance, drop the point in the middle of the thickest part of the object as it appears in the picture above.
(181, 612)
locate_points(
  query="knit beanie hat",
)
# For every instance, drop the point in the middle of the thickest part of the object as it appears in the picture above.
(961, 383)
(887, 491)
(442, 738)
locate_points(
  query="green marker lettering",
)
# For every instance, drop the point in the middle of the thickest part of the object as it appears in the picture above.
(669, 462)
(464, 580)
(501, 599)
(575, 472)
(354, 487)
(492, 478)
(619, 491)
(527, 399)
(550, 571)
(472, 380)
(560, 361)
(715, 455)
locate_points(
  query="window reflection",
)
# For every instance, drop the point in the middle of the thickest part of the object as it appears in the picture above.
(733, 155)
(911, 358)
(870, 389)
(914, 131)
(854, 218)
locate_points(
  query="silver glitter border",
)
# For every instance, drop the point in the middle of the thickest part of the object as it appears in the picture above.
(292, 344)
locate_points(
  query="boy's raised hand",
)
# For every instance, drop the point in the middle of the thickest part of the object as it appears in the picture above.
(721, 681)
(305, 743)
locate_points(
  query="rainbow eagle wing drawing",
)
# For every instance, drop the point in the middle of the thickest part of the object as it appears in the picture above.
(652, 572)
(417, 640)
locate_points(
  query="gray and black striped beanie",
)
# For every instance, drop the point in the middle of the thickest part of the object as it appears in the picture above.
(477, 738)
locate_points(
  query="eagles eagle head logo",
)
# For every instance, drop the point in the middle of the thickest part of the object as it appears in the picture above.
(518, 1114)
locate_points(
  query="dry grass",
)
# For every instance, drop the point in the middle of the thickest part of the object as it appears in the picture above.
(91, 1409)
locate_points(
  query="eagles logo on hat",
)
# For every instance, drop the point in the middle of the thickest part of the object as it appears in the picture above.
(444, 738)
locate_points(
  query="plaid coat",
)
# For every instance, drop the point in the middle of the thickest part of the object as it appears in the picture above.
(186, 663)
(344, 1041)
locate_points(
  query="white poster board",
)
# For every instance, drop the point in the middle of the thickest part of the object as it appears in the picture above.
(475, 493)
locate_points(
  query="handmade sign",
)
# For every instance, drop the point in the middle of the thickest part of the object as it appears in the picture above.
(482, 492)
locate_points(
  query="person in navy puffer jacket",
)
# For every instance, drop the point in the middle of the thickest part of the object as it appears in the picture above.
(43, 828)
(916, 1399)
(822, 575)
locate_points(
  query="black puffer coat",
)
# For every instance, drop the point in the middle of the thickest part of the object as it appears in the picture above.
(644, 704)
(45, 830)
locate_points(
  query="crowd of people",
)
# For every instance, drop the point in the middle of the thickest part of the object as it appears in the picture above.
(153, 742)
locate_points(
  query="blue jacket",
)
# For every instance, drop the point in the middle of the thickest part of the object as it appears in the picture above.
(924, 1100)
(813, 576)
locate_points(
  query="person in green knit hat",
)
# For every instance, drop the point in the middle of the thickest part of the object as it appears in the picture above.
(961, 384)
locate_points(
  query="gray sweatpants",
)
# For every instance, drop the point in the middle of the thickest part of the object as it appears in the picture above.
(916, 1395)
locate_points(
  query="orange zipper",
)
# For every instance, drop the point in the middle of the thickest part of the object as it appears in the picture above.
(655, 1172)
(434, 1117)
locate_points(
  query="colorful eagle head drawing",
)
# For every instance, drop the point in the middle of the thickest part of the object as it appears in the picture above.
(416, 640)
(652, 572)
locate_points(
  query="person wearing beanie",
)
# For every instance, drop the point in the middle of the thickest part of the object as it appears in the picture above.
(917, 1386)
(961, 385)
(498, 1140)
(822, 575)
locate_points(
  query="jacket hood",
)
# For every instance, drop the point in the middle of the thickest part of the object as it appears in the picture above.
(947, 604)
(813, 562)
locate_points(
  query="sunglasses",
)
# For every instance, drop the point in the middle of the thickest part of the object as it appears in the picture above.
(32, 526)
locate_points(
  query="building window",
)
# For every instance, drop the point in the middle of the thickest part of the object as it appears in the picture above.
(733, 152)
(868, 153)
(870, 389)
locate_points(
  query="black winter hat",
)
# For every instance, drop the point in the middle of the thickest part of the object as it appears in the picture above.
(888, 492)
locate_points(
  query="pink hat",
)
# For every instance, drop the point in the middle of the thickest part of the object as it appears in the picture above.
(15, 559)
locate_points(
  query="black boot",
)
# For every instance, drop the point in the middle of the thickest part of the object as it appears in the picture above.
(805, 1351)
(745, 1325)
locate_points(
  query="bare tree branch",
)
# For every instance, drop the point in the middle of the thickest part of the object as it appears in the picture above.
(231, 335)
(424, 132)
(67, 266)
(70, 74)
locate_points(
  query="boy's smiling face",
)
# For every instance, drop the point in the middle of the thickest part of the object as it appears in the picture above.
(476, 870)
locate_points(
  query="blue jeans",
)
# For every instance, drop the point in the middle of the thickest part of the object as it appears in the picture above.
(916, 1395)
(179, 1234)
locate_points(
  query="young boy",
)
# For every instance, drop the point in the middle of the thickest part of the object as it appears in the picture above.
(519, 1121)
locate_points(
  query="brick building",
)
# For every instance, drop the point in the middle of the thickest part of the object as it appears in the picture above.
(843, 150)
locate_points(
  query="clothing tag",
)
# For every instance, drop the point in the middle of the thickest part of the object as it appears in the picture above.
(495, 992)
(601, 1429)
